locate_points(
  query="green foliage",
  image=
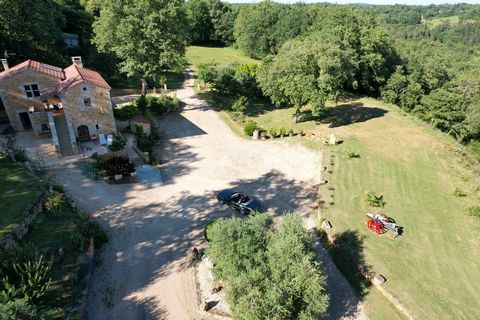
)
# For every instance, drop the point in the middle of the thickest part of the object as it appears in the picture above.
(20, 154)
(240, 105)
(352, 154)
(210, 21)
(141, 104)
(119, 142)
(283, 132)
(31, 38)
(272, 132)
(125, 113)
(24, 274)
(249, 128)
(85, 230)
(118, 165)
(374, 200)
(162, 104)
(459, 193)
(143, 142)
(55, 202)
(261, 29)
(250, 255)
(18, 309)
(137, 33)
(233, 78)
(474, 211)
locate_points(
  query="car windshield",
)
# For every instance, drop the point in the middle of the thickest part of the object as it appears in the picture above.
(239, 198)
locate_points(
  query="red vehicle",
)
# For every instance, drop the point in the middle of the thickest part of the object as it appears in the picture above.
(380, 223)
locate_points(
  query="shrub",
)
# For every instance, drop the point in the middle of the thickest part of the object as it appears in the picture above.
(374, 200)
(86, 230)
(119, 142)
(249, 128)
(474, 211)
(125, 113)
(237, 116)
(18, 309)
(459, 193)
(290, 132)
(272, 132)
(55, 202)
(117, 165)
(240, 105)
(142, 140)
(20, 154)
(161, 105)
(283, 132)
(141, 104)
(25, 274)
(352, 154)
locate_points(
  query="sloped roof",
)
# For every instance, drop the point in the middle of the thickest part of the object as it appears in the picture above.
(35, 66)
(73, 76)
(70, 76)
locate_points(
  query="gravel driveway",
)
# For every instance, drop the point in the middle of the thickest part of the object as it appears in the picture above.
(145, 272)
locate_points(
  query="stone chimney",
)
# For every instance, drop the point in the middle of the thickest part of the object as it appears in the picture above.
(77, 61)
(5, 64)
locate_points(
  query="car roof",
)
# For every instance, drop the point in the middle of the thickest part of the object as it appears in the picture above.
(227, 193)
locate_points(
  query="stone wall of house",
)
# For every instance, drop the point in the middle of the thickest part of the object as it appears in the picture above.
(15, 100)
(98, 118)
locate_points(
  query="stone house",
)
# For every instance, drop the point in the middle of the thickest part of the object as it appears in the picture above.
(69, 105)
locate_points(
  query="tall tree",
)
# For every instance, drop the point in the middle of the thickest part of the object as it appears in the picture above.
(147, 35)
(30, 29)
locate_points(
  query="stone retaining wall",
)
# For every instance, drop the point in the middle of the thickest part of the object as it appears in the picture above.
(29, 215)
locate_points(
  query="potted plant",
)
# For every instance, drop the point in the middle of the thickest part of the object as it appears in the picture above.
(290, 133)
(272, 132)
(283, 132)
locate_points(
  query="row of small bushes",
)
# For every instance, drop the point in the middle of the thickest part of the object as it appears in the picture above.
(158, 105)
(250, 127)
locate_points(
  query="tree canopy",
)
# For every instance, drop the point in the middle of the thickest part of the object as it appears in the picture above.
(147, 36)
(270, 273)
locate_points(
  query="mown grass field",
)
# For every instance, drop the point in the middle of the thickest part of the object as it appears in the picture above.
(197, 55)
(433, 268)
(17, 190)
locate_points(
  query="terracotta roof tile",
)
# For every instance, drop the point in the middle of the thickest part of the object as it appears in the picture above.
(33, 66)
(69, 76)
(73, 76)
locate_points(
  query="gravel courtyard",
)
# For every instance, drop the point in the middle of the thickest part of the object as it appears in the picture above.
(145, 272)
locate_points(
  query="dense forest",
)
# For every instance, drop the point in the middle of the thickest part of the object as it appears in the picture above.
(425, 59)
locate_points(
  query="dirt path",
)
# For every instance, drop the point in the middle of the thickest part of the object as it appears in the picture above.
(145, 272)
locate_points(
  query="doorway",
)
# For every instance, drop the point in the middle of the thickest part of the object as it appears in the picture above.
(27, 125)
(3, 113)
(83, 133)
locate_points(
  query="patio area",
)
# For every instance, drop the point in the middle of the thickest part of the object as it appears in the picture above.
(43, 148)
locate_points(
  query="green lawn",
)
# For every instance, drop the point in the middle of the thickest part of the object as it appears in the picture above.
(54, 231)
(17, 190)
(433, 269)
(197, 55)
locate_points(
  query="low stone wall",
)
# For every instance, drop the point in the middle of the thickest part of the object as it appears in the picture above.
(122, 125)
(12, 238)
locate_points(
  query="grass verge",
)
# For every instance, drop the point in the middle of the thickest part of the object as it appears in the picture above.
(17, 190)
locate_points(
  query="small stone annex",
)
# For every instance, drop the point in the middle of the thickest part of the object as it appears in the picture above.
(70, 105)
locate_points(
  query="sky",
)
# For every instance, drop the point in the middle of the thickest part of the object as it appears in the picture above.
(417, 2)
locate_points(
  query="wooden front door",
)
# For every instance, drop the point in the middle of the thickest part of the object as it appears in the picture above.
(83, 133)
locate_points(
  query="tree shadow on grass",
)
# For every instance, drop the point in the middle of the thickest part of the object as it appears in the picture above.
(347, 251)
(343, 115)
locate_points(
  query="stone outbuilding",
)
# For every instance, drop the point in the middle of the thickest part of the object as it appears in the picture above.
(69, 105)
(140, 120)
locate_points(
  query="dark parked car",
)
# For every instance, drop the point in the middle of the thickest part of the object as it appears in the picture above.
(239, 201)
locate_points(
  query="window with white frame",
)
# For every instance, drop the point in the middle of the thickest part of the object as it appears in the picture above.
(31, 90)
